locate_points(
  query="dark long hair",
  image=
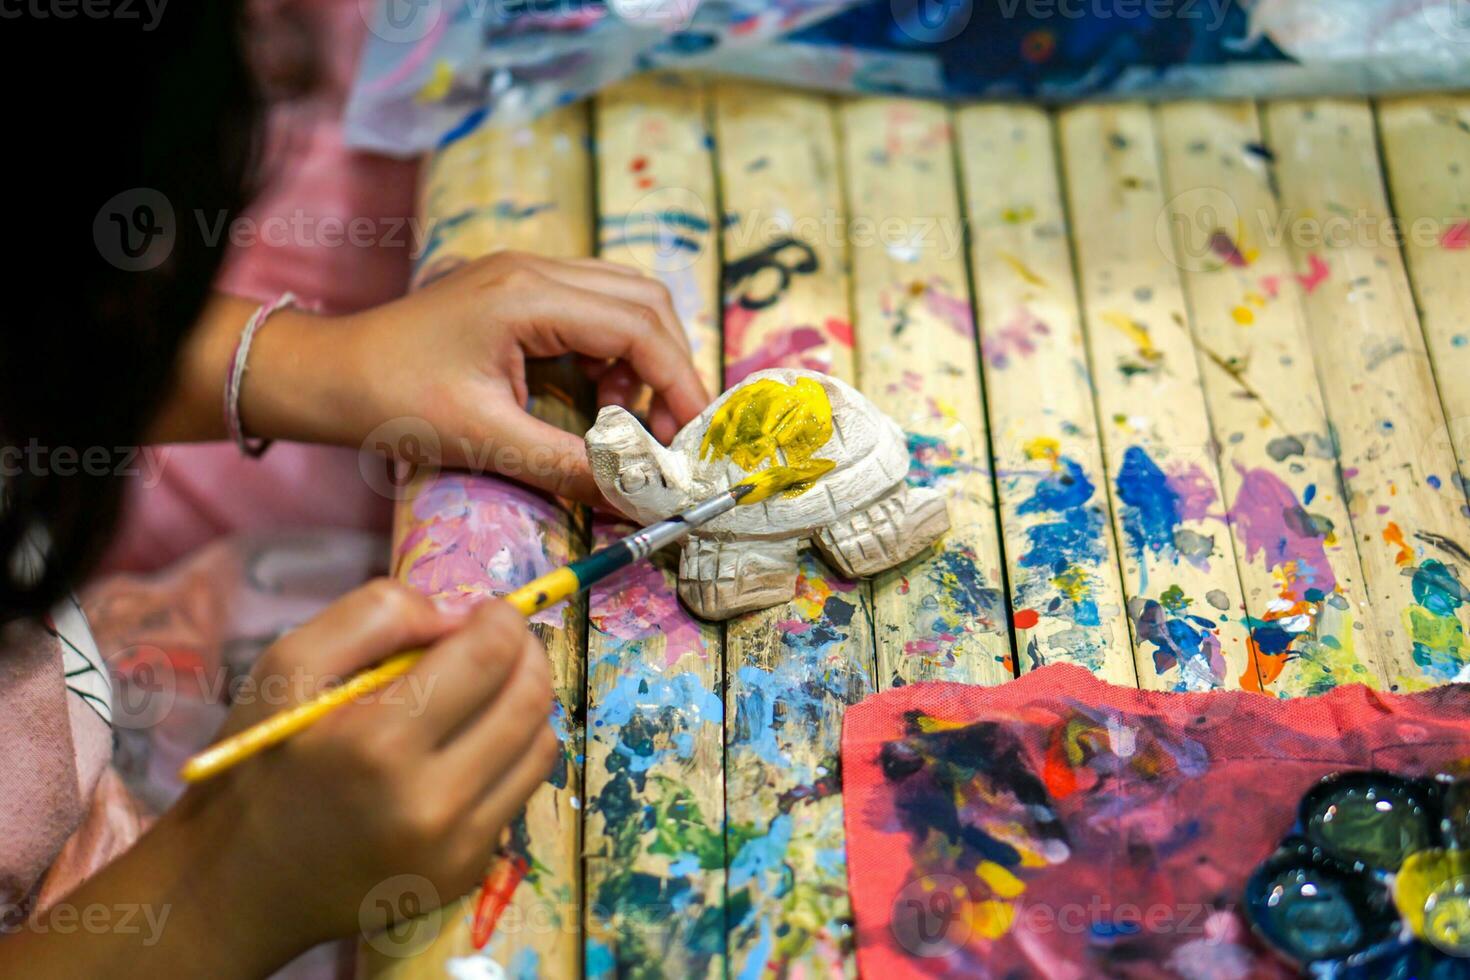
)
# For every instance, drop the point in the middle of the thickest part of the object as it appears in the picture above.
(130, 134)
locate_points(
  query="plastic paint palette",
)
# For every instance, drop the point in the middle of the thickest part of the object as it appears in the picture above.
(1371, 881)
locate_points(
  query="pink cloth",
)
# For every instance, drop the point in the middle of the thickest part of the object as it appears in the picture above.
(1058, 826)
(301, 239)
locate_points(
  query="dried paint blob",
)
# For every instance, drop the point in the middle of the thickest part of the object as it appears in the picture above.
(1372, 820)
(1312, 911)
(1432, 892)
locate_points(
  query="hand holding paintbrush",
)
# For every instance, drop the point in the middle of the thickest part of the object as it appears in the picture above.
(531, 598)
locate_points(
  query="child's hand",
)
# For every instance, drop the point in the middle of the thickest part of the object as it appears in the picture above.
(419, 780)
(454, 353)
(307, 841)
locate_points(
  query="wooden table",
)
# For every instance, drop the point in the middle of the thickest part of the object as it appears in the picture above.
(1202, 411)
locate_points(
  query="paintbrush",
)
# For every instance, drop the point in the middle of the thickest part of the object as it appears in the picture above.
(529, 599)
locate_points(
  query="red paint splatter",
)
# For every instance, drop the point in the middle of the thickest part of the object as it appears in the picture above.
(1056, 772)
(1038, 46)
(1316, 274)
(644, 183)
(639, 164)
(840, 331)
(1026, 618)
(495, 894)
(1456, 236)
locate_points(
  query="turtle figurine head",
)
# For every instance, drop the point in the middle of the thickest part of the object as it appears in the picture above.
(641, 478)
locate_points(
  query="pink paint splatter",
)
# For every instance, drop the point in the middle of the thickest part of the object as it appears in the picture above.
(1456, 236)
(784, 349)
(1271, 286)
(639, 603)
(1015, 336)
(1316, 274)
(737, 322)
(1271, 522)
(952, 310)
(475, 536)
(1195, 490)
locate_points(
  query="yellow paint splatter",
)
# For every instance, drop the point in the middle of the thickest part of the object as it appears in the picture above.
(1394, 535)
(1000, 880)
(1243, 315)
(439, 83)
(1073, 583)
(1018, 215)
(1430, 894)
(1137, 332)
(1021, 269)
(991, 919)
(1043, 447)
(768, 423)
(945, 408)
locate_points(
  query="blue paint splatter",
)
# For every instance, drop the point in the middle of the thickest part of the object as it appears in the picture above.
(1188, 642)
(680, 703)
(1077, 537)
(1150, 505)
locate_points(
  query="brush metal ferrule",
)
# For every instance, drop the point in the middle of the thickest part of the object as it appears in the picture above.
(645, 542)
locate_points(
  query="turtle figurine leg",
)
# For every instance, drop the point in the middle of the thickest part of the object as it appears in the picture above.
(720, 578)
(892, 530)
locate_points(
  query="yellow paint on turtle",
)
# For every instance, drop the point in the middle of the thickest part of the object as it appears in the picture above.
(770, 424)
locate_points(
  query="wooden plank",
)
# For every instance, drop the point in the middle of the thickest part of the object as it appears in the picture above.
(1184, 600)
(653, 835)
(465, 535)
(941, 616)
(1311, 625)
(792, 670)
(1397, 465)
(1056, 519)
(1426, 150)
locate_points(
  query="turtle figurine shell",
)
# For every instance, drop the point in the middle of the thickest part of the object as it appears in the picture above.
(851, 501)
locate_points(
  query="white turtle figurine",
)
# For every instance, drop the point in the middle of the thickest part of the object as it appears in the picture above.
(855, 505)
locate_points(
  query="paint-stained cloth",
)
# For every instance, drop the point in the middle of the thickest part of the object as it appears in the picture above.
(1059, 826)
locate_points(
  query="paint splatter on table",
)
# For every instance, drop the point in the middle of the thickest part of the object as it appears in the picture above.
(1168, 363)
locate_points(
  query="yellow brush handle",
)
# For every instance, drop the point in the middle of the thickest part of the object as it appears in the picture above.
(531, 598)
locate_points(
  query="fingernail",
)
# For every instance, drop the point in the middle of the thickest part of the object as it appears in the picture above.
(453, 607)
